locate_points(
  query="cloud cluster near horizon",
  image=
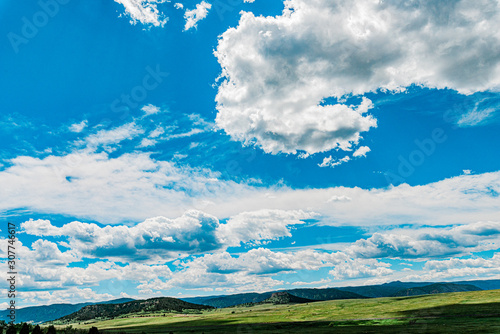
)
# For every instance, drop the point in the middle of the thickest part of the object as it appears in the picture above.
(161, 238)
(138, 255)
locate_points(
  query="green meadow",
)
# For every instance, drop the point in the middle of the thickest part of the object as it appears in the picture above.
(462, 312)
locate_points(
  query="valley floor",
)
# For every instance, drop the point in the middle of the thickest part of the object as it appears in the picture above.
(462, 312)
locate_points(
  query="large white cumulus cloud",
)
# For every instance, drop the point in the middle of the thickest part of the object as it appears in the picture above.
(279, 70)
(161, 238)
(156, 237)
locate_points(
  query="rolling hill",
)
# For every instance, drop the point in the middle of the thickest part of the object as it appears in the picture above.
(231, 300)
(325, 294)
(459, 312)
(109, 311)
(285, 297)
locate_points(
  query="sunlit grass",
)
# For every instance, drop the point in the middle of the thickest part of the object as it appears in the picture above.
(477, 311)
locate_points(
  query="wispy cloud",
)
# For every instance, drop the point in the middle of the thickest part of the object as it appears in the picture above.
(361, 152)
(331, 162)
(107, 139)
(475, 117)
(150, 109)
(193, 16)
(144, 11)
(78, 127)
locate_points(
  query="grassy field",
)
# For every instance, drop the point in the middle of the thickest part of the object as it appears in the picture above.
(462, 312)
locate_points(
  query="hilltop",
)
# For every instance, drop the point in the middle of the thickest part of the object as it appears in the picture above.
(285, 297)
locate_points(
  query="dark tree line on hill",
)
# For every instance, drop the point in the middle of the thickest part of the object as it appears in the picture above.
(24, 328)
(109, 311)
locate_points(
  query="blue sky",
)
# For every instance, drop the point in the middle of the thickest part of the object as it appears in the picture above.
(154, 148)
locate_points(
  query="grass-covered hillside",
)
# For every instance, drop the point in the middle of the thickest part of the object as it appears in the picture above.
(462, 312)
(109, 311)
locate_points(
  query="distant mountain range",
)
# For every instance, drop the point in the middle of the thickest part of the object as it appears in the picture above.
(383, 290)
(392, 288)
(326, 294)
(492, 284)
(254, 298)
(437, 288)
(109, 311)
(39, 314)
(230, 300)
